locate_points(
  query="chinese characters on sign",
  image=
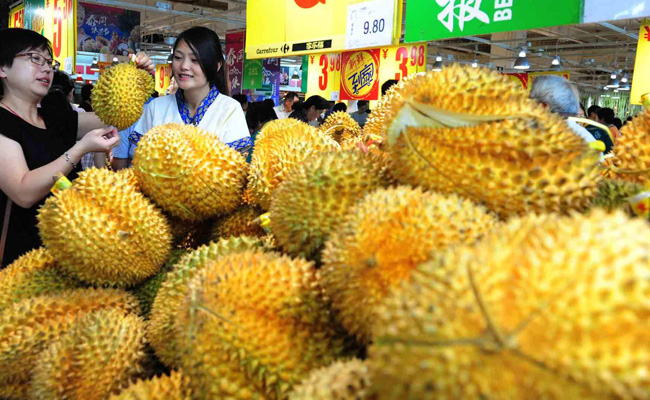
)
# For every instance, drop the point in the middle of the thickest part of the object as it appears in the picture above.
(107, 30)
(235, 60)
(464, 11)
(359, 75)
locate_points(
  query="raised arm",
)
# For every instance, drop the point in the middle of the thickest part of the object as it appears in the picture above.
(27, 187)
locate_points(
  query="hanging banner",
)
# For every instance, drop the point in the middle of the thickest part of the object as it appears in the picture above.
(641, 79)
(324, 75)
(55, 19)
(17, 16)
(107, 30)
(520, 78)
(440, 19)
(318, 26)
(253, 74)
(533, 75)
(400, 61)
(271, 78)
(360, 75)
(235, 60)
(163, 77)
(305, 74)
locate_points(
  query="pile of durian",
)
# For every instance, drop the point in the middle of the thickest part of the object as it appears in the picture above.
(466, 245)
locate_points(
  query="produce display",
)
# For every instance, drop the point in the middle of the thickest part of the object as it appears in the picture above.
(467, 244)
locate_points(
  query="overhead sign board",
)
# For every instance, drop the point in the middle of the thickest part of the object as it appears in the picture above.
(281, 28)
(17, 16)
(641, 79)
(56, 20)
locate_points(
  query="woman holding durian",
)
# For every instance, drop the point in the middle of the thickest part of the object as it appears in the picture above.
(37, 144)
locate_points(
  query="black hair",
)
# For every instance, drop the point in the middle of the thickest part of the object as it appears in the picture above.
(593, 109)
(339, 107)
(241, 98)
(56, 100)
(387, 85)
(618, 123)
(206, 46)
(363, 103)
(269, 103)
(155, 94)
(17, 40)
(318, 102)
(607, 115)
(86, 91)
(253, 117)
(63, 81)
(290, 96)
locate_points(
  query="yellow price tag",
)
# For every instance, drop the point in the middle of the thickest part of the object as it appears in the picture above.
(62, 183)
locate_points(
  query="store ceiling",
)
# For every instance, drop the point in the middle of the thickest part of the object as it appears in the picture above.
(590, 51)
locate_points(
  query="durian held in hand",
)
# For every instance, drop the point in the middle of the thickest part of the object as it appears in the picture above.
(119, 95)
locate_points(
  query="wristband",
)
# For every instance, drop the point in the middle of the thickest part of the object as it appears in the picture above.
(67, 158)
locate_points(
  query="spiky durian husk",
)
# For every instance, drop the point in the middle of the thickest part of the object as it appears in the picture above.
(341, 127)
(189, 172)
(31, 325)
(241, 222)
(161, 331)
(253, 325)
(120, 93)
(165, 387)
(128, 175)
(545, 308)
(632, 151)
(18, 390)
(383, 239)
(103, 231)
(100, 354)
(342, 380)
(614, 194)
(146, 292)
(281, 145)
(33, 274)
(316, 195)
(505, 165)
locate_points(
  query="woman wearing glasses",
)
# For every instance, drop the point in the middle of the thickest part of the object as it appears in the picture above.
(36, 144)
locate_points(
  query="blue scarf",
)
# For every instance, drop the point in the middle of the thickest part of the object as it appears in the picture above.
(200, 112)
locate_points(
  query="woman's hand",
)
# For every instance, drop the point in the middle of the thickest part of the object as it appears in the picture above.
(100, 140)
(143, 61)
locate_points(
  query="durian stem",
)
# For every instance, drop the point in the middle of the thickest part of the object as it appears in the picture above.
(424, 343)
(629, 171)
(498, 336)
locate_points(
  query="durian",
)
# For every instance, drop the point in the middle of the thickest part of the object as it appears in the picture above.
(280, 145)
(632, 151)
(165, 387)
(547, 307)
(146, 292)
(383, 239)
(31, 325)
(103, 231)
(97, 357)
(18, 390)
(189, 234)
(475, 133)
(161, 331)
(129, 176)
(616, 193)
(253, 325)
(120, 94)
(342, 380)
(33, 274)
(189, 172)
(341, 127)
(241, 222)
(316, 195)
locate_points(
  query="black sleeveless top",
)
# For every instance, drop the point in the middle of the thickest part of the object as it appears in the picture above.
(40, 147)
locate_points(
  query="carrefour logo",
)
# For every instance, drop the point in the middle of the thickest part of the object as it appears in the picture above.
(308, 3)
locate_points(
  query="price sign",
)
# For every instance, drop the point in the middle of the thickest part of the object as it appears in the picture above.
(370, 24)
(400, 61)
(55, 19)
(324, 75)
(163, 77)
(360, 75)
(17, 17)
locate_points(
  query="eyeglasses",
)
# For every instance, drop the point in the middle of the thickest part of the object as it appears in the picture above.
(40, 60)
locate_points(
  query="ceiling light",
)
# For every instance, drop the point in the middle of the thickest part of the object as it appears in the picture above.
(613, 81)
(522, 61)
(94, 66)
(437, 66)
(475, 64)
(624, 78)
(115, 61)
(556, 64)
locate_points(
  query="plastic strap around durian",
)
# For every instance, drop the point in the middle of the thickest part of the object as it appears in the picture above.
(418, 114)
(594, 123)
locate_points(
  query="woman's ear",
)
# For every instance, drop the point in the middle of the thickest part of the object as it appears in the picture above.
(3, 73)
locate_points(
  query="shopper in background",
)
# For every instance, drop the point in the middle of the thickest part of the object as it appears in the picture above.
(310, 110)
(202, 98)
(557, 94)
(361, 115)
(618, 123)
(592, 113)
(243, 101)
(387, 85)
(259, 113)
(86, 92)
(62, 83)
(606, 116)
(286, 108)
(36, 144)
(338, 107)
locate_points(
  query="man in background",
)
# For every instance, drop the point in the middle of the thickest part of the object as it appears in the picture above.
(284, 109)
(361, 115)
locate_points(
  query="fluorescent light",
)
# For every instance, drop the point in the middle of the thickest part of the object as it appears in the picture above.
(474, 64)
